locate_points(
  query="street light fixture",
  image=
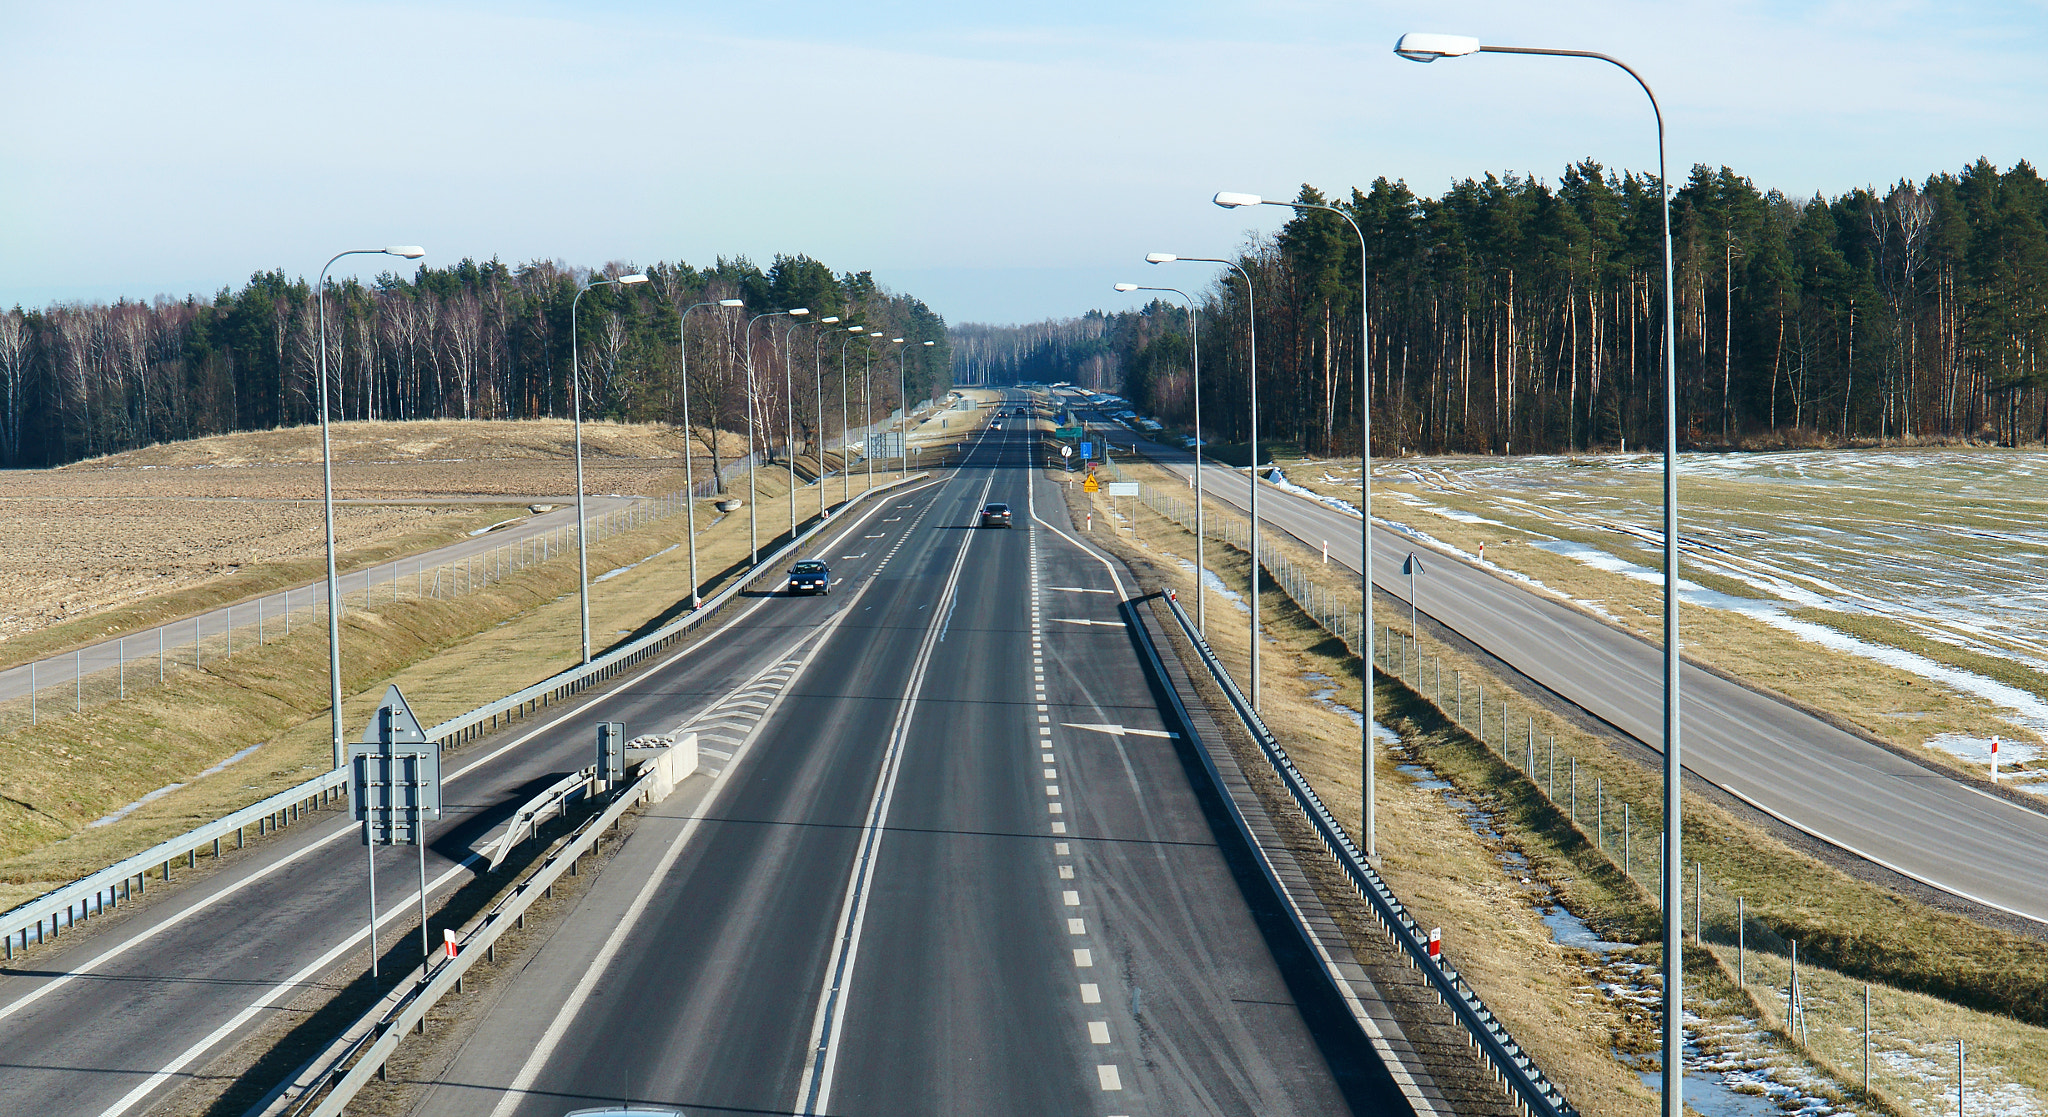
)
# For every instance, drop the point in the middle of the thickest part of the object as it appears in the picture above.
(1368, 748)
(404, 251)
(689, 474)
(1201, 540)
(576, 393)
(1418, 47)
(1252, 328)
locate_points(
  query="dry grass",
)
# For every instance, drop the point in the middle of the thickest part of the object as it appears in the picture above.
(1971, 979)
(121, 543)
(448, 657)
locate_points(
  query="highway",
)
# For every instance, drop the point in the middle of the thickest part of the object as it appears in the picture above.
(960, 868)
(53, 678)
(1838, 787)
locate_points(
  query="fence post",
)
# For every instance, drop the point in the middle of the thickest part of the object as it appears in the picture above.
(1741, 941)
(1575, 790)
(122, 651)
(1699, 902)
(1866, 1040)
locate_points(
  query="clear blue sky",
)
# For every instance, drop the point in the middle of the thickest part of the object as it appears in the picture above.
(1004, 167)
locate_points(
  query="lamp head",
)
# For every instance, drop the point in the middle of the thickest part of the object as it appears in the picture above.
(829, 319)
(409, 251)
(732, 302)
(1126, 286)
(929, 344)
(1160, 257)
(636, 277)
(1424, 46)
(799, 312)
(856, 329)
(895, 341)
(876, 333)
(1230, 199)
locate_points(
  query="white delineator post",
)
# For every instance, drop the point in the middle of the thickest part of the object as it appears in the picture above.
(1994, 760)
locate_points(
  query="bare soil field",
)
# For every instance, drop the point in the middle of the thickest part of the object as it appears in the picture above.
(90, 537)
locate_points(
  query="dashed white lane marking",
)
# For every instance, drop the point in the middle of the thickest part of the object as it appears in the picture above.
(1059, 848)
(1066, 872)
(1076, 927)
(1078, 589)
(1079, 620)
(1091, 994)
(1055, 808)
(1071, 898)
(1109, 1077)
(1052, 773)
(1098, 1031)
(1046, 758)
(1083, 958)
(1059, 827)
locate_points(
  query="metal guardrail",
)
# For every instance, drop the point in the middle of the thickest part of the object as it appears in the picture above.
(1519, 1073)
(527, 819)
(44, 917)
(367, 1054)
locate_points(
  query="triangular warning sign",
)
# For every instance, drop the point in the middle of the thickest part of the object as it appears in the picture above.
(394, 723)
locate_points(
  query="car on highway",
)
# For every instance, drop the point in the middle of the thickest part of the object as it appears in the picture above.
(810, 576)
(995, 424)
(995, 515)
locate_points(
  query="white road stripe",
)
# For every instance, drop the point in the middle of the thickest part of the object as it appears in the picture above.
(1098, 1031)
(1107, 1075)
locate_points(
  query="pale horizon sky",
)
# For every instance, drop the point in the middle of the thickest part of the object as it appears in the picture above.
(1003, 167)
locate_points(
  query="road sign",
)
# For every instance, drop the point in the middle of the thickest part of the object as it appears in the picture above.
(1066, 451)
(1088, 449)
(611, 751)
(1089, 485)
(1123, 488)
(395, 776)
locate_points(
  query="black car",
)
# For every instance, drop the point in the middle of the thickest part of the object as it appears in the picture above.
(810, 576)
(995, 515)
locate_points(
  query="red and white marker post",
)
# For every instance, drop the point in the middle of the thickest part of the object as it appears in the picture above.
(1436, 945)
(448, 940)
(1994, 760)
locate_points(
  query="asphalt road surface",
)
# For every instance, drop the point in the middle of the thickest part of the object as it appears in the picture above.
(1832, 784)
(961, 868)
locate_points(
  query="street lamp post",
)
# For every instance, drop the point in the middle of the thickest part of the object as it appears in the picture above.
(1252, 327)
(789, 415)
(1429, 48)
(1201, 540)
(404, 251)
(689, 475)
(867, 395)
(576, 394)
(1368, 748)
(845, 470)
(753, 455)
(818, 370)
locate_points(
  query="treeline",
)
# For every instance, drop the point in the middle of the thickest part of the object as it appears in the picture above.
(1510, 315)
(474, 341)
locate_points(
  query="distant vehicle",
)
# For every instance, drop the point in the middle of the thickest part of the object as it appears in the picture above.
(995, 515)
(810, 576)
(995, 424)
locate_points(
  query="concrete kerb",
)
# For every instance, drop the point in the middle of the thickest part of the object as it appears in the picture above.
(74, 903)
(1517, 1072)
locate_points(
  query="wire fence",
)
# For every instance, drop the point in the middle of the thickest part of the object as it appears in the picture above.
(1868, 1036)
(132, 664)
